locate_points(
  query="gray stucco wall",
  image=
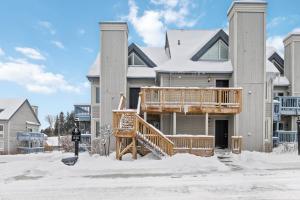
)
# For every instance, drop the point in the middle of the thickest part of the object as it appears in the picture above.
(247, 50)
(192, 80)
(288, 63)
(114, 57)
(194, 124)
(297, 68)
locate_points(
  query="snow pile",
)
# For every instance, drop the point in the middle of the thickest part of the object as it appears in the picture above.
(267, 161)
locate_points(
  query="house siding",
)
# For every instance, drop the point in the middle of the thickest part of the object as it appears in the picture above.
(192, 80)
(114, 57)
(18, 124)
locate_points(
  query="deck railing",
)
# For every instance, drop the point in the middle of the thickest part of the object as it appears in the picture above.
(124, 123)
(236, 144)
(153, 135)
(201, 145)
(289, 105)
(197, 100)
(281, 136)
(127, 123)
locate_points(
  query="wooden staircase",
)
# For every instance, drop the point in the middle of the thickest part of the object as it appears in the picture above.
(129, 126)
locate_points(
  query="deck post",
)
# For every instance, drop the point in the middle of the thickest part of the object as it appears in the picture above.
(145, 116)
(206, 123)
(174, 123)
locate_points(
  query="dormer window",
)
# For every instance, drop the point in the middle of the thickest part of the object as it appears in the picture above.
(135, 61)
(219, 51)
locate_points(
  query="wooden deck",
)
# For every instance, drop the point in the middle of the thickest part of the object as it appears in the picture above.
(131, 130)
(191, 100)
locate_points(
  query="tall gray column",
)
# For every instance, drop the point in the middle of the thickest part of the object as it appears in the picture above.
(247, 51)
(113, 67)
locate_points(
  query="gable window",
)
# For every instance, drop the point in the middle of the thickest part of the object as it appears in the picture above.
(135, 61)
(219, 51)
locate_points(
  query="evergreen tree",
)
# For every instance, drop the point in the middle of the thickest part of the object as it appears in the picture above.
(61, 123)
(56, 125)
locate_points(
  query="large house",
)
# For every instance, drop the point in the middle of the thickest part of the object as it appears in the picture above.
(200, 83)
(19, 127)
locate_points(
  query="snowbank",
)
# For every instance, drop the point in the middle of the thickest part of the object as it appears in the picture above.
(267, 161)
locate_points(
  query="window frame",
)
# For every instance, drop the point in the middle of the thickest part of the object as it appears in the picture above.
(218, 42)
(132, 54)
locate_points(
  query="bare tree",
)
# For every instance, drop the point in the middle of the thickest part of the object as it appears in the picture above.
(51, 120)
(101, 144)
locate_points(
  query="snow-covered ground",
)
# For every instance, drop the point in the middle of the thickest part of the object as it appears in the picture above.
(250, 175)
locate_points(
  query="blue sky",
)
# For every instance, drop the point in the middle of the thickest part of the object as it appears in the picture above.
(47, 47)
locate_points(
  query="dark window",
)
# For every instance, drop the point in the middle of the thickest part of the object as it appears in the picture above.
(222, 83)
(97, 95)
(133, 97)
(280, 94)
(97, 129)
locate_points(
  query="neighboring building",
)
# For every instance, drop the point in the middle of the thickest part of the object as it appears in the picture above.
(93, 77)
(82, 114)
(17, 120)
(287, 90)
(201, 59)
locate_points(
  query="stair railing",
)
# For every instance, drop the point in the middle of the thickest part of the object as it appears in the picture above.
(152, 135)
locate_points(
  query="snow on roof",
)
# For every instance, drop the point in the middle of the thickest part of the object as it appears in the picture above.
(184, 44)
(281, 81)
(140, 72)
(191, 41)
(8, 107)
(95, 68)
(156, 54)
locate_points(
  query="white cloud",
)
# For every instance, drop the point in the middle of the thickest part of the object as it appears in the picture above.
(58, 44)
(34, 77)
(2, 53)
(81, 31)
(86, 84)
(151, 25)
(168, 3)
(30, 53)
(48, 26)
(277, 43)
(296, 30)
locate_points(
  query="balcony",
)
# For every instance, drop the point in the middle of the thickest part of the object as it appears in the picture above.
(82, 112)
(288, 105)
(191, 100)
(30, 142)
(281, 137)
